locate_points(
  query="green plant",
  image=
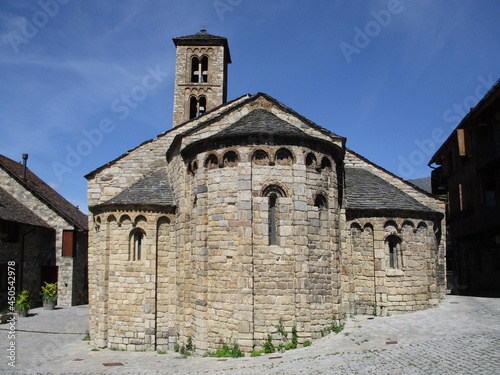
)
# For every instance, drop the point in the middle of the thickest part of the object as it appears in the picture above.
(281, 329)
(256, 353)
(227, 351)
(161, 351)
(268, 346)
(95, 350)
(176, 348)
(23, 301)
(337, 327)
(86, 337)
(190, 347)
(307, 343)
(295, 337)
(49, 292)
(374, 311)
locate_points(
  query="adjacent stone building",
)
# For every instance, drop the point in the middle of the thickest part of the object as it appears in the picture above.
(246, 213)
(43, 234)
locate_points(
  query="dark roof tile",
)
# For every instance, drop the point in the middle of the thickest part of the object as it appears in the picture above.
(366, 191)
(154, 189)
(12, 210)
(45, 193)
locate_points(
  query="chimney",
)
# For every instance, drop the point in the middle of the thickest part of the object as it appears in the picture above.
(25, 158)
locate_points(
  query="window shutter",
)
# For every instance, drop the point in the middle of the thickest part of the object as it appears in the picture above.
(68, 243)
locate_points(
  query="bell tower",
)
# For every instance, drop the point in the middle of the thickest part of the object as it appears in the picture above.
(200, 75)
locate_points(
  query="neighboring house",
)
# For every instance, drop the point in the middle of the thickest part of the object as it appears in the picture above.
(44, 234)
(469, 173)
(246, 213)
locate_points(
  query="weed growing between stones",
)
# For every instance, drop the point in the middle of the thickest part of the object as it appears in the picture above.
(231, 350)
(307, 343)
(187, 350)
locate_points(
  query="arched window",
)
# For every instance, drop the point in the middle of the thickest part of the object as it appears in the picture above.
(322, 205)
(204, 69)
(197, 107)
(273, 192)
(211, 162)
(136, 244)
(273, 239)
(320, 202)
(260, 157)
(284, 157)
(202, 106)
(193, 107)
(326, 163)
(199, 69)
(393, 246)
(310, 160)
(230, 159)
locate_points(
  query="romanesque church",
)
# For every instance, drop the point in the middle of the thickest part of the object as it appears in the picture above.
(245, 213)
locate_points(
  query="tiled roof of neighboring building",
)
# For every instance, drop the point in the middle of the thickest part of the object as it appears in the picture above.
(154, 189)
(366, 191)
(45, 193)
(12, 210)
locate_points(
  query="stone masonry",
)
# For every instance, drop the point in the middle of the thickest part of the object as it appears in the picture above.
(245, 216)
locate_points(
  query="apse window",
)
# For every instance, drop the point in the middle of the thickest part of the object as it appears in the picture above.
(273, 240)
(137, 245)
(393, 245)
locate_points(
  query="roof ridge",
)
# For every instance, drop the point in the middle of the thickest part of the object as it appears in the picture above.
(43, 192)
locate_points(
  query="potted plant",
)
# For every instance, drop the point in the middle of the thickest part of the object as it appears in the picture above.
(49, 295)
(23, 303)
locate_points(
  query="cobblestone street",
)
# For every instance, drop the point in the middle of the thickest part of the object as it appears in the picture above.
(461, 336)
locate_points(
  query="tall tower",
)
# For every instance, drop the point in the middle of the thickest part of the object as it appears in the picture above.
(200, 75)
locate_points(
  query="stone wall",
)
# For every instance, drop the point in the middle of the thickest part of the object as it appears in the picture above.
(214, 89)
(67, 286)
(33, 248)
(414, 282)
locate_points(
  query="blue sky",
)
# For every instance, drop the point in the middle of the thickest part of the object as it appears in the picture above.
(393, 77)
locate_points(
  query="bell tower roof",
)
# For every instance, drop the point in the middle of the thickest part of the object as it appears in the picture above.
(203, 38)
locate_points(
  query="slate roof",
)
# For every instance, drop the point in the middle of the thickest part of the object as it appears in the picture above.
(204, 38)
(260, 122)
(13, 210)
(152, 190)
(366, 191)
(45, 193)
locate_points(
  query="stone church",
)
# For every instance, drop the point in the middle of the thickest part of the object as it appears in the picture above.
(245, 213)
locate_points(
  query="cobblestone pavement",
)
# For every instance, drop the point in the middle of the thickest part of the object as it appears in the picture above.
(461, 336)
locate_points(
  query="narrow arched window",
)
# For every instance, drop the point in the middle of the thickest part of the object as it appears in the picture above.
(195, 67)
(197, 107)
(272, 220)
(137, 244)
(193, 107)
(393, 246)
(199, 69)
(273, 192)
(204, 69)
(202, 106)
